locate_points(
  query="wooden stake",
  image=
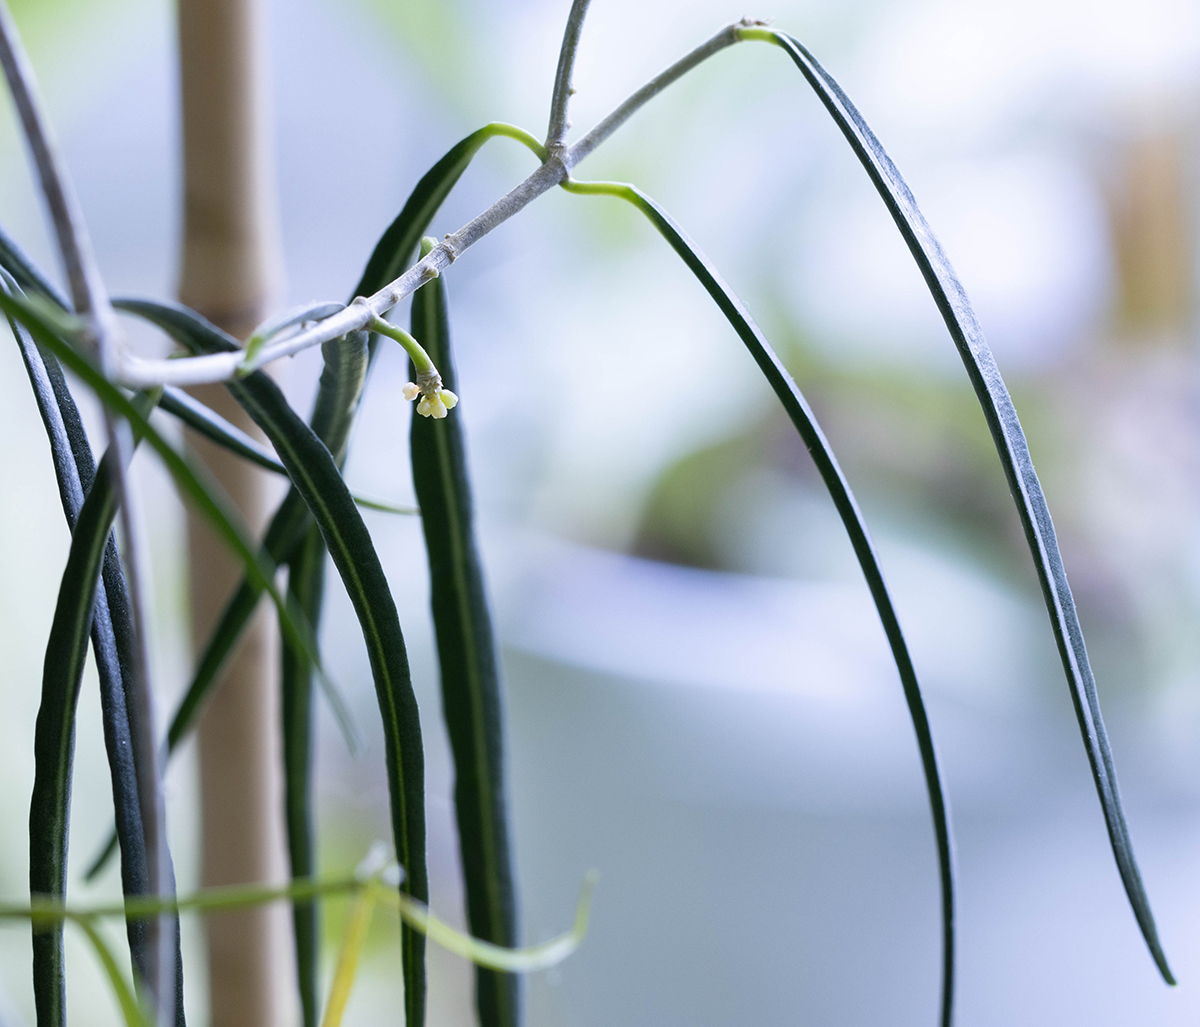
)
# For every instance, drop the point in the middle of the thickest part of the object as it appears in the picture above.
(231, 274)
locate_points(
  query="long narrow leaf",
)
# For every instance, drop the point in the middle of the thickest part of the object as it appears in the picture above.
(17, 263)
(340, 390)
(112, 631)
(312, 468)
(195, 332)
(54, 744)
(131, 1010)
(338, 394)
(215, 428)
(835, 481)
(316, 476)
(472, 700)
(283, 534)
(54, 734)
(337, 399)
(205, 495)
(1013, 449)
(347, 364)
(306, 582)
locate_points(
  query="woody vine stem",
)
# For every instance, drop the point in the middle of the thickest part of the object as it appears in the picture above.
(558, 160)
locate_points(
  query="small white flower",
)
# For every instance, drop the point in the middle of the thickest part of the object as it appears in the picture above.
(432, 406)
(435, 401)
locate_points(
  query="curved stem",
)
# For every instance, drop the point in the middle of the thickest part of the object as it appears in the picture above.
(416, 352)
(44, 910)
(214, 367)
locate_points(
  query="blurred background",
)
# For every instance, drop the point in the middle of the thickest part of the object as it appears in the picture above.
(700, 701)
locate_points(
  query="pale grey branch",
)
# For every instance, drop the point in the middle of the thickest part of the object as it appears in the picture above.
(139, 373)
(726, 37)
(563, 87)
(87, 289)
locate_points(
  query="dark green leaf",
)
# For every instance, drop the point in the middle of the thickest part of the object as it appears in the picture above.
(112, 631)
(191, 330)
(204, 495)
(340, 389)
(306, 582)
(284, 533)
(835, 481)
(337, 399)
(215, 428)
(54, 735)
(472, 700)
(17, 263)
(54, 745)
(1013, 449)
(316, 476)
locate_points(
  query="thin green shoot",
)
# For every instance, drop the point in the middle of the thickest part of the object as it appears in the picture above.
(352, 945)
(45, 910)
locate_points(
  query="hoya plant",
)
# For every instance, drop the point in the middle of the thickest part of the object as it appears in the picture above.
(76, 341)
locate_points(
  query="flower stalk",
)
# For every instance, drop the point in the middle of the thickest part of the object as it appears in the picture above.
(435, 401)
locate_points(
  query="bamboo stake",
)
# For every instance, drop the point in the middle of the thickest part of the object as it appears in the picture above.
(231, 273)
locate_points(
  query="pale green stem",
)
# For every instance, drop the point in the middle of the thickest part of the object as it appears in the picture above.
(383, 507)
(484, 953)
(618, 189)
(500, 128)
(45, 911)
(416, 352)
(131, 1008)
(758, 35)
(347, 967)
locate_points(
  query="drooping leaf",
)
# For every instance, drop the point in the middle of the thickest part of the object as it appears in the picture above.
(337, 400)
(191, 330)
(338, 395)
(206, 496)
(340, 389)
(806, 425)
(17, 263)
(112, 633)
(398, 243)
(229, 436)
(131, 1009)
(472, 699)
(306, 581)
(283, 534)
(215, 428)
(54, 734)
(1013, 449)
(316, 477)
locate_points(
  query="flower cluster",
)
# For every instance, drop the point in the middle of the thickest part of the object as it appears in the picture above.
(435, 401)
